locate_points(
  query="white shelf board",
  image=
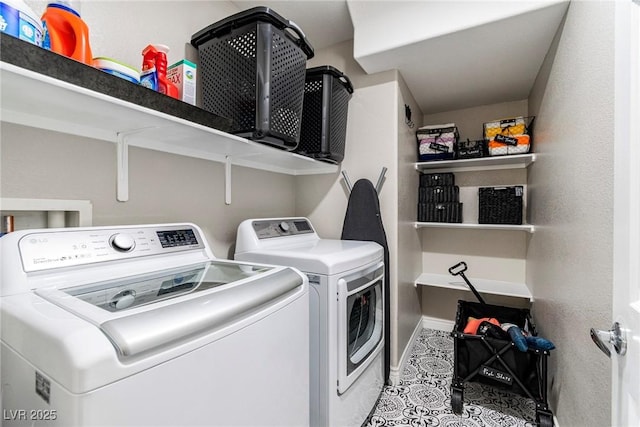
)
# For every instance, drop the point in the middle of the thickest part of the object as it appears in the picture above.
(470, 226)
(484, 286)
(35, 100)
(518, 161)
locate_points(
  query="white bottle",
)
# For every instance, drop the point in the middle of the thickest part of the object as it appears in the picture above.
(18, 20)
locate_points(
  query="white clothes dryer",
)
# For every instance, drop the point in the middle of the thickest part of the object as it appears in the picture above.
(346, 280)
(141, 325)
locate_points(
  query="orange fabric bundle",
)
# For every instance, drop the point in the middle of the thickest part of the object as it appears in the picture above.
(473, 324)
(500, 148)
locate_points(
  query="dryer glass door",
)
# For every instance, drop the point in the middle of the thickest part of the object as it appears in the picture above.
(361, 314)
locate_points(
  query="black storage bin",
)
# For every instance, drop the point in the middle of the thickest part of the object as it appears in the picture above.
(439, 194)
(497, 362)
(471, 149)
(440, 212)
(433, 179)
(500, 205)
(327, 92)
(252, 70)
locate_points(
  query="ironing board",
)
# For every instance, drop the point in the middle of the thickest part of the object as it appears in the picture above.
(363, 221)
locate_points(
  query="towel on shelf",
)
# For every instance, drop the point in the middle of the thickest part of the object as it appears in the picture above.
(522, 146)
(437, 141)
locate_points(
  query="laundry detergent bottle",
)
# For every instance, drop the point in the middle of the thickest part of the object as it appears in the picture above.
(155, 56)
(18, 20)
(65, 32)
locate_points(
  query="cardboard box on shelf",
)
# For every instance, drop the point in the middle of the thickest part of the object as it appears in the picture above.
(183, 75)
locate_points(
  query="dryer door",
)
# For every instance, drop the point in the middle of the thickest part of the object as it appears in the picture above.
(360, 323)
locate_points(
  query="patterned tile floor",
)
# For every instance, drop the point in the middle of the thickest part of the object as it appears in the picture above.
(423, 399)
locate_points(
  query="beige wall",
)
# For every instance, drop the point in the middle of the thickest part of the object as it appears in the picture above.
(122, 29)
(163, 187)
(406, 310)
(570, 257)
(377, 137)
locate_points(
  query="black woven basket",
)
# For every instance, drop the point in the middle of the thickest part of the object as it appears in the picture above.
(471, 149)
(439, 194)
(500, 205)
(434, 179)
(327, 92)
(440, 212)
(253, 71)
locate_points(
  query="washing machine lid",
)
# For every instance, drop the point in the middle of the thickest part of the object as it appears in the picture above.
(146, 312)
(322, 256)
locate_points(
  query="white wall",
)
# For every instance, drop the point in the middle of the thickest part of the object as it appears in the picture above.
(570, 257)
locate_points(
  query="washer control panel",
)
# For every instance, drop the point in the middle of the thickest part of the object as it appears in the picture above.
(266, 229)
(43, 250)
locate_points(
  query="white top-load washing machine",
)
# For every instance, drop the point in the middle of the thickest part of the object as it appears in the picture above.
(347, 312)
(141, 325)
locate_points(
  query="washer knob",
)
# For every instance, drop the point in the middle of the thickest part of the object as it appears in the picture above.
(284, 226)
(122, 242)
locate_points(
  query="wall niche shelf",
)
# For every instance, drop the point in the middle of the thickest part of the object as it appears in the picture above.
(45, 90)
(484, 286)
(47, 213)
(518, 161)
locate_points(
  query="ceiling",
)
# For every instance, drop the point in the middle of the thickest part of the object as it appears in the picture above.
(476, 53)
(325, 23)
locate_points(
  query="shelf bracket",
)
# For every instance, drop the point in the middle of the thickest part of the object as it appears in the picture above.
(122, 168)
(227, 180)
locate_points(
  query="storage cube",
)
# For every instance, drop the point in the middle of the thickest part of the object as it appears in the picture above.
(439, 194)
(500, 205)
(471, 149)
(440, 212)
(435, 179)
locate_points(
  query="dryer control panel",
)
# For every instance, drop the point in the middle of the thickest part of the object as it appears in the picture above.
(266, 229)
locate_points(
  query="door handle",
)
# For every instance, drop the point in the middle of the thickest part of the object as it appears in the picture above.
(613, 337)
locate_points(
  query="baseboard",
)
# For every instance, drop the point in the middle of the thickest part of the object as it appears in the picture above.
(396, 371)
(437, 324)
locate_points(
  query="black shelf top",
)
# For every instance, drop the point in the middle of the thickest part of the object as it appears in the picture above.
(31, 57)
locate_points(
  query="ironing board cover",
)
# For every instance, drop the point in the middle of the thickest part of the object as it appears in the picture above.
(363, 221)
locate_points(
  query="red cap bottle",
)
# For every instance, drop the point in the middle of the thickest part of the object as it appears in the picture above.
(156, 55)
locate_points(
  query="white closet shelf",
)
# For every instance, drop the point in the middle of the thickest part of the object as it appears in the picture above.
(36, 100)
(471, 226)
(484, 286)
(518, 161)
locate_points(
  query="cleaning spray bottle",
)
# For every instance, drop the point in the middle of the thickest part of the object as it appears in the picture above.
(149, 75)
(154, 70)
(65, 32)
